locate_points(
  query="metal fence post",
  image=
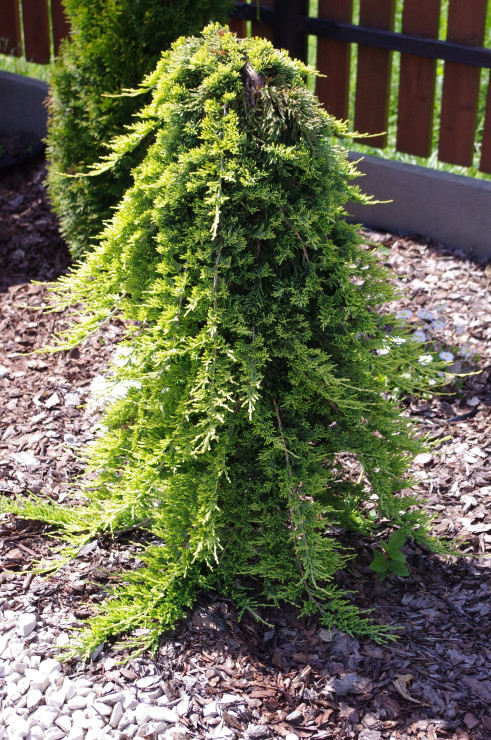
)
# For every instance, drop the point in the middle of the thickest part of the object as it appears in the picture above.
(289, 27)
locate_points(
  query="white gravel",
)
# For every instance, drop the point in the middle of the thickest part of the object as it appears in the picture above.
(43, 699)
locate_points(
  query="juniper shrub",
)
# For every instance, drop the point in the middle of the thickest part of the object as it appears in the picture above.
(257, 353)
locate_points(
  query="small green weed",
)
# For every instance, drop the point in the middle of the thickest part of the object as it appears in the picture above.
(391, 559)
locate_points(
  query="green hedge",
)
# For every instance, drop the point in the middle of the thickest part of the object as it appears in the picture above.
(113, 44)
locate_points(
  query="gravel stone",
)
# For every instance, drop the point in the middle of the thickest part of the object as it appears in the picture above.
(19, 726)
(55, 698)
(19, 667)
(147, 682)
(49, 667)
(79, 719)
(77, 702)
(116, 715)
(127, 719)
(34, 697)
(76, 733)
(112, 698)
(129, 700)
(183, 707)
(64, 723)
(45, 716)
(151, 729)
(37, 733)
(69, 688)
(83, 683)
(13, 677)
(142, 714)
(37, 679)
(4, 641)
(163, 714)
(210, 710)
(54, 734)
(130, 731)
(26, 623)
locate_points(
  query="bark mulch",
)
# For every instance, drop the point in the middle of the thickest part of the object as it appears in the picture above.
(293, 676)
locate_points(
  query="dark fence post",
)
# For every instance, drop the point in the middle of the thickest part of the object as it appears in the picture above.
(289, 27)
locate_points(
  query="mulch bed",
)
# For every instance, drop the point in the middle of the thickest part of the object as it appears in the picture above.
(434, 682)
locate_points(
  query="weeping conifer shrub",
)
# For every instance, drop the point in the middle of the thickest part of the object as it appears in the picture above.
(256, 358)
(112, 45)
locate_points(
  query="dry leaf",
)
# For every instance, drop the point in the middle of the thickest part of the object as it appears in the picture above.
(401, 684)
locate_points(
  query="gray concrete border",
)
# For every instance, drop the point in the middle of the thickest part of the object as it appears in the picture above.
(22, 105)
(451, 209)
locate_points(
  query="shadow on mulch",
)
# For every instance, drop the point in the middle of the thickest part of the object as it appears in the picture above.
(295, 676)
(31, 247)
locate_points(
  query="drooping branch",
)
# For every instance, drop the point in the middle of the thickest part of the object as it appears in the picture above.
(291, 487)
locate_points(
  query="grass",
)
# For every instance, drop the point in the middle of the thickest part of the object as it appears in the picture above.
(19, 66)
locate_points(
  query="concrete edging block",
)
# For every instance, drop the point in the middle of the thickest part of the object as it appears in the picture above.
(452, 209)
(22, 105)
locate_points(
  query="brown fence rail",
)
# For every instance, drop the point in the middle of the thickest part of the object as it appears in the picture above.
(34, 28)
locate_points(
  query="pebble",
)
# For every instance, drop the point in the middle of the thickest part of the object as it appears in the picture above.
(44, 716)
(116, 714)
(34, 697)
(76, 733)
(64, 723)
(77, 702)
(210, 710)
(163, 714)
(49, 667)
(142, 714)
(26, 624)
(43, 699)
(54, 734)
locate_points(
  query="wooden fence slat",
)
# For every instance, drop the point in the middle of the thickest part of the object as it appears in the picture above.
(239, 27)
(333, 60)
(10, 36)
(36, 31)
(61, 26)
(258, 28)
(417, 81)
(485, 163)
(466, 25)
(373, 75)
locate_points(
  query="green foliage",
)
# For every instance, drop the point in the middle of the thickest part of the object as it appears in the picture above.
(391, 559)
(113, 44)
(256, 355)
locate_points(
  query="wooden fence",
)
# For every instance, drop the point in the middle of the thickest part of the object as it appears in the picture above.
(32, 28)
(287, 24)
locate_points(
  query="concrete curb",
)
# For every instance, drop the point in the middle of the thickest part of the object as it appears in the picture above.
(451, 209)
(22, 105)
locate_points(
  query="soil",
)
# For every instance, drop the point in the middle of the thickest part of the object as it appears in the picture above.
(434, 682)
